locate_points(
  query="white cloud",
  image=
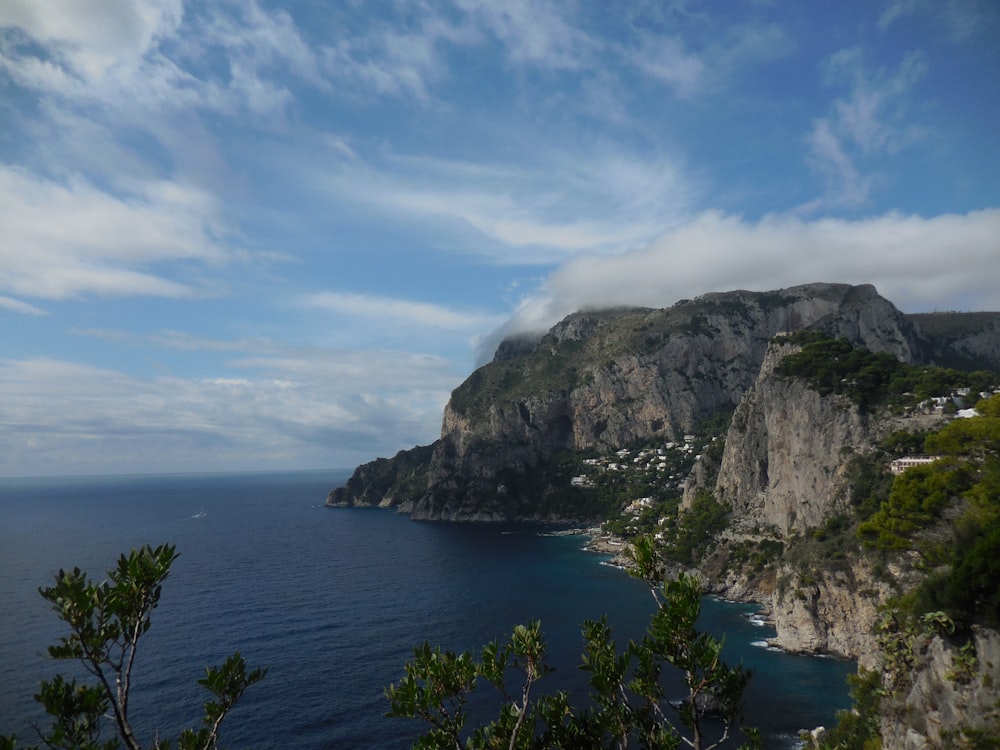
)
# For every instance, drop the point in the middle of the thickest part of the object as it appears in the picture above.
(98, 52)
(396, 62)
(689, 71)
(941, 262)
(260, 48)
(264, 41)
(896, 10)
(874, 114)
(750, 43)
(146, 59)
(176, 340)
(534, 32)
(19, 306)
(848, 187)
(302, 408)
(666, 59)
(61, 240)
(694, 54)
(93, 36)
(962, 18)
(552, 204)
(400, 312)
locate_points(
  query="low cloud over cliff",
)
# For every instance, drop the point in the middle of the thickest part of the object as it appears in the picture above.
(921, 264)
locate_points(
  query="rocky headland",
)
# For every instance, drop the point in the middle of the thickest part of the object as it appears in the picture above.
(790, 463)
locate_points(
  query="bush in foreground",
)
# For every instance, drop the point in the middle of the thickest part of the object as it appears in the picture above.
(106, 621)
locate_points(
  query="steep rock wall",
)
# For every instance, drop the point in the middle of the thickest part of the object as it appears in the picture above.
(605, 380)
(784, 472)
(787, 449)
(964, 340)
(946, 695)
(833, 614)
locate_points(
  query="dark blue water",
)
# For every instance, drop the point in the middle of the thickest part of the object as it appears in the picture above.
(331, 601)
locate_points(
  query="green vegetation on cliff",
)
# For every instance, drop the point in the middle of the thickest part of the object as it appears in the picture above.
(871, 379)
(404, 475)
(688, 536)
(948, 513)
(946, 516)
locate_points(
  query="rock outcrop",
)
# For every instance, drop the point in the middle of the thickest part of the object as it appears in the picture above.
(601, 380)
(964, 340)
(785, 472)
(950, 692)
(787, 449)
(833, 613)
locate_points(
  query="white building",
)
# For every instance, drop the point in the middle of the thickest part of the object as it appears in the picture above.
(902, 464)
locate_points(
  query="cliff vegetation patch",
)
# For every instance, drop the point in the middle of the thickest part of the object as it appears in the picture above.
(872, 379)
(941, 519)
(948, 514)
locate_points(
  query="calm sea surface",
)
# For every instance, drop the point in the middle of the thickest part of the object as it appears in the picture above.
(332, 602)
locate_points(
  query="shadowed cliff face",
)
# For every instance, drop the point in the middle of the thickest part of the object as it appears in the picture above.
(602, 380)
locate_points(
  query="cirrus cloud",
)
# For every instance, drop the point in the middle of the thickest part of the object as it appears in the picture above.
(398, 311)
(69, 239)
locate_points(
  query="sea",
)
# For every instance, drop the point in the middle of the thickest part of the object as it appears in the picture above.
(332, 602)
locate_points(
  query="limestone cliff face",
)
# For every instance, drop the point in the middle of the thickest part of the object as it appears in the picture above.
(385, 482)
(969, 340)
(785, 473)
(605, 379)
(945, 694)
(833, 614)
(787, 450)
(602, 380)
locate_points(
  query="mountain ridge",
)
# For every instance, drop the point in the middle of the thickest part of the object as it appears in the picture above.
(603, 379)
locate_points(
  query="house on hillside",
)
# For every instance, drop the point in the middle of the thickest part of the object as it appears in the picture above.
(900, 465)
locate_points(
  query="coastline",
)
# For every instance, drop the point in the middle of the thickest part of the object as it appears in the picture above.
(614, 547)
(600, 542)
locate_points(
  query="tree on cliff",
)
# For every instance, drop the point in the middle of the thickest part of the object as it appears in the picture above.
(628, 706)
(961, 492)
(947, 514)
(106, 621)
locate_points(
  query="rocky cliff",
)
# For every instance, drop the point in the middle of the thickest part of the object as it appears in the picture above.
(601, 380)
(604, 380)
(965, 340)
(784, 474)
(788, 472)
(949, 700)
(787, 449)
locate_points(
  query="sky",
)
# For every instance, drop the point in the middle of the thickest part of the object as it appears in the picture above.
(252, 235)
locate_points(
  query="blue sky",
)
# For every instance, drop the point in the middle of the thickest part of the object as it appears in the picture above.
(259, 235)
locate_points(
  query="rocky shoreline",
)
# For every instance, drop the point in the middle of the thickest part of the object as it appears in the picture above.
(602, 543)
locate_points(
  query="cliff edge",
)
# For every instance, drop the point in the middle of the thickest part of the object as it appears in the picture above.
(602, 380)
